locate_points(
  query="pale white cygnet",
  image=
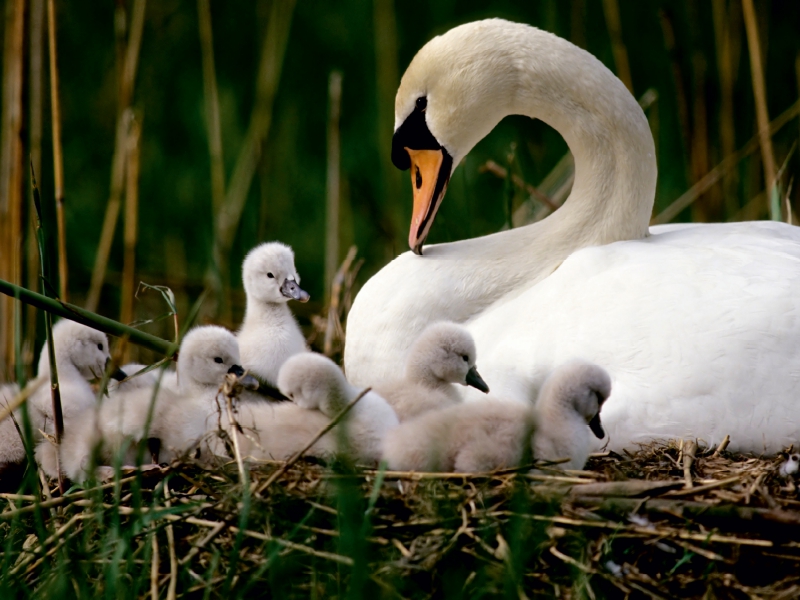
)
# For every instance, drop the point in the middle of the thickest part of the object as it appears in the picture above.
(570, 399)
(12, 450)
(269, 334)
(82, 354)
(314, 382)
(443, 355)
(172, 423)
(483, 436)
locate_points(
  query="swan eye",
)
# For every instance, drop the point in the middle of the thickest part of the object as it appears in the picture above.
(465, 357)
(419, 178)
(100, 347)
(218, 360)
(270, 275)
(422, 103)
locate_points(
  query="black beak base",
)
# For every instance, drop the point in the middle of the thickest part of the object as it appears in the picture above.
(597, 427)
(475, 380)
(118, 374)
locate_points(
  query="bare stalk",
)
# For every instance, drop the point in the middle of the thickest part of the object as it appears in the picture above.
(131, 222)
(727, 127)
(387, 78)
(58, 157)
(36, 74)
(760, 93)
(11, 172)
(45, 235)
(211, 97)
(131, 58)
(614, 24)
(332, 183)
(88, 318)
(269, 72)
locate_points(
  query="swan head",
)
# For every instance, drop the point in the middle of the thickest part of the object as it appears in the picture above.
(206, 355)
(446, 351)
(454, 92)
(581, 387)
(82, 347)
(269, 275)
(314, 382)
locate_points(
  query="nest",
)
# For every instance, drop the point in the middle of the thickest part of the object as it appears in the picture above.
(668, 520)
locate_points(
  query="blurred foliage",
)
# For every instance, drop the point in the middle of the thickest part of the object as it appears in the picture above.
(287, 198)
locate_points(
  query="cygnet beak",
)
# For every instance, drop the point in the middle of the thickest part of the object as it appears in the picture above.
(118, 374)
(597, 427)
(246, 381)
(475, 380)
(290, 289)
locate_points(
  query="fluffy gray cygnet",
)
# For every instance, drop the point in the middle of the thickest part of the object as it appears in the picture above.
(443, 355)
(483, 436)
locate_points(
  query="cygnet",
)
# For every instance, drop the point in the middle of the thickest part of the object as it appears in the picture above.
(443, 355)
(81, 355)
(178, 420)
(314, 382)
(483, 436)
(269, 334)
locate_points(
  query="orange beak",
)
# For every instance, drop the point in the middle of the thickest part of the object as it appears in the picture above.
(426, 166)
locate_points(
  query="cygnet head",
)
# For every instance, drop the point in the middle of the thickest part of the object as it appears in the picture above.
(313, 381)
(582, 387)
(206, 355)
(269, 275)
(82, 347)
(445, 352)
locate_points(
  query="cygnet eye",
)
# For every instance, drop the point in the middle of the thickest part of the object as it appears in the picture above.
(270, 275)
(465, 357)
(218, 360)
(100, 347)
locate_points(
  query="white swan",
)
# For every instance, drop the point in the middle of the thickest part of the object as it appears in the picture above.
(442, 356)
(269, 334)
(483, 436)
(698, 326)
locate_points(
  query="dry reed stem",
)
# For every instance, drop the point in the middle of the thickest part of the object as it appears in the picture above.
(614, 24)
(760, 93)
(173, 560)
(333, 327)
(387, 78)
(21, 397)
(154, 567)
(332, 182)
(124, 115)
(725, 68)
(211, 100)
(267, 80)
(714, 175)
(131, 221)
(11, 172)
(58, 155)
(689, 450)
(287, 465)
